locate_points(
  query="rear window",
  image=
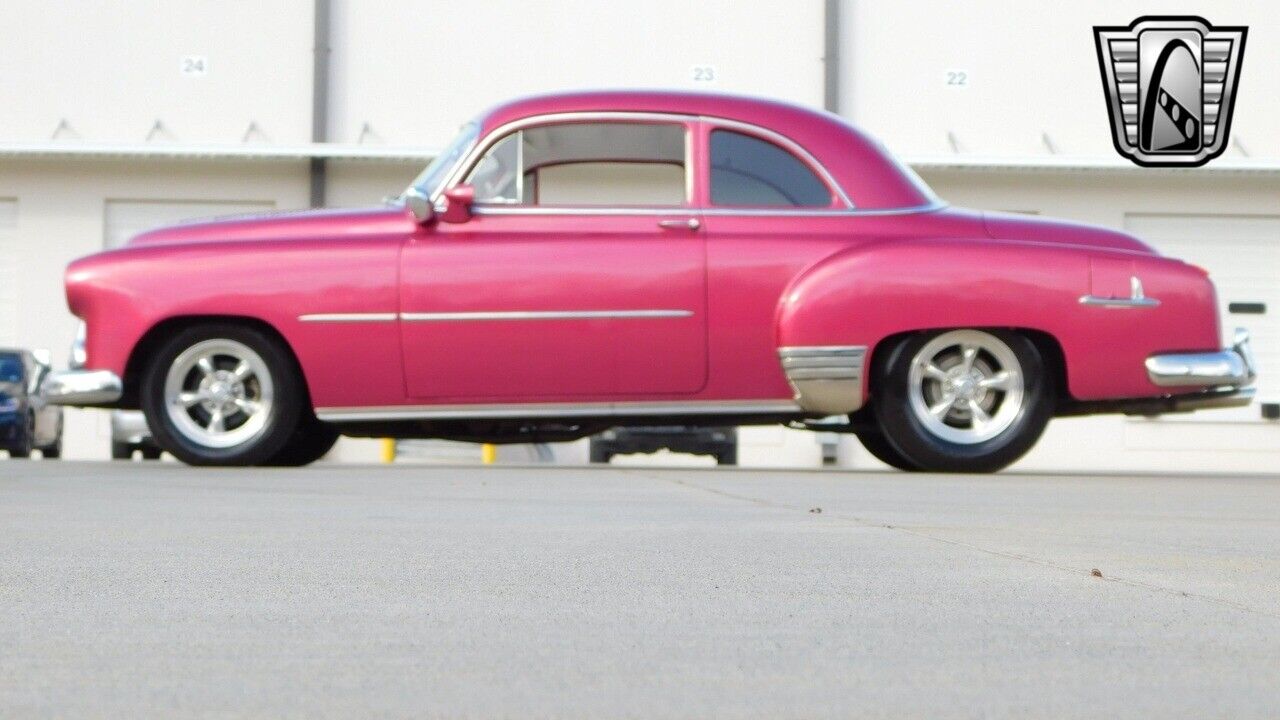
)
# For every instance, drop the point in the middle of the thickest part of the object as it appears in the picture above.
(749, 172)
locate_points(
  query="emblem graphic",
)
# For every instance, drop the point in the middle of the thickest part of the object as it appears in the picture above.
(1170, 84)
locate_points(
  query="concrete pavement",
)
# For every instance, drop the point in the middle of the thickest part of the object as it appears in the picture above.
(131, 590)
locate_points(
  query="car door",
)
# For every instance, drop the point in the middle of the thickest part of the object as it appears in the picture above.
(580, 273)
(770, 213)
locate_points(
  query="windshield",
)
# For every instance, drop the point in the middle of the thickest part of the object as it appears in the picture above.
(10, 368)
(429, 180)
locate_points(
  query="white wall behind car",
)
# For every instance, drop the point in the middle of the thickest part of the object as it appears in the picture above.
(205, 70)
(414, 71)
(1001, 75)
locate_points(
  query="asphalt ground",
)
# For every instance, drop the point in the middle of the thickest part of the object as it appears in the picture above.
(131, 590)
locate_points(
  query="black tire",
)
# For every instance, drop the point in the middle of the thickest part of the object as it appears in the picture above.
(310, 442)
(53, 452)
(727, 457)
(121, 451)
(878, 445)
(600, 453)
(151, 452)
(907, 436)
(280, 421)
(23, 449)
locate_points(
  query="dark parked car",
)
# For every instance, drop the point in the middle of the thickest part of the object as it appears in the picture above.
(27, 421)
(720, 443)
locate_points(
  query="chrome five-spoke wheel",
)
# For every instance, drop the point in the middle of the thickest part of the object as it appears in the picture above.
(965, 386)
(227, 394)
(219, 393)
(962, 400)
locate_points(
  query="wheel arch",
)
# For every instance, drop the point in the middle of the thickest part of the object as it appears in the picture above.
(151, 340)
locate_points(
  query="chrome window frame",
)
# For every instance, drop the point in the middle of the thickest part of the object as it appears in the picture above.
(484, 142)
(782, 141)
(478, 151)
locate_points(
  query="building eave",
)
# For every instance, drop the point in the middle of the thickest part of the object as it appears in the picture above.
(1065, 164)
(183, 151)
(75, 149)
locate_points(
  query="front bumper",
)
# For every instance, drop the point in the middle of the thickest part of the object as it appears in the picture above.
(83, 387)
(1225, 376)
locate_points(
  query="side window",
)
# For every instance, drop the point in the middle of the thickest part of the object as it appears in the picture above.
(585, 164)
(749, 172)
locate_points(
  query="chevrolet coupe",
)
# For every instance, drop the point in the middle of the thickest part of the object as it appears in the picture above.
(578, 261)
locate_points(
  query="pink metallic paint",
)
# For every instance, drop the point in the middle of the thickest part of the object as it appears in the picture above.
(754, 282)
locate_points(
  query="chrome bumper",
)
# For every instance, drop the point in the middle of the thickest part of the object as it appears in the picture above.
(1225, 376)
(83, 387)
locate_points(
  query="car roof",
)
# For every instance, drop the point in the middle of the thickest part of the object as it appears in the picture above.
(865, 170)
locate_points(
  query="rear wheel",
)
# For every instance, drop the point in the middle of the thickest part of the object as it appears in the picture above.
(151, 452)
(310, 442)
(878, 445)
(53, 452)
(222, 394)
(121, 451)
(962, 400)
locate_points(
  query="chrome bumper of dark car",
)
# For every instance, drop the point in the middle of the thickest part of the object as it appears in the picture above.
(83, 387)
(1226, 376)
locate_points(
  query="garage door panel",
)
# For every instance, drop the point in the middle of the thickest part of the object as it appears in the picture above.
(8, 271)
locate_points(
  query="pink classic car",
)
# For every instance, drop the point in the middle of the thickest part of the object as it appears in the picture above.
(577, 261)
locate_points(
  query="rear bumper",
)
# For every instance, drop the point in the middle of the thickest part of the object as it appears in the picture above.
(83, 387)
(1232, 366)
(1224, 376)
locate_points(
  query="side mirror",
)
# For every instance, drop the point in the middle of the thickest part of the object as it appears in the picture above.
(419, 204)
(459, 199)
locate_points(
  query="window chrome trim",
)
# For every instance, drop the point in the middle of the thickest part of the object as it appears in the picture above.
(478, 150)
(569, 210)
(348, 317)
(557, 410)
(785, 142)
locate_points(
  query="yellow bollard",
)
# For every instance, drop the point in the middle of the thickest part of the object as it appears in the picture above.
(388, 450)
(488, 453)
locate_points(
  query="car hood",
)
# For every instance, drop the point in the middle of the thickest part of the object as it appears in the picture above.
(303, 224)
(1012, 226)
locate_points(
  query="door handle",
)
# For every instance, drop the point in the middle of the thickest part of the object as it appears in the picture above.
(686, 224)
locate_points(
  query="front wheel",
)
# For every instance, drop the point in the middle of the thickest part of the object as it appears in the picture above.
(222, 394)
(962, 400)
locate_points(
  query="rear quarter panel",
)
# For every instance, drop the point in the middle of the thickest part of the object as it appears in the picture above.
(863, 295)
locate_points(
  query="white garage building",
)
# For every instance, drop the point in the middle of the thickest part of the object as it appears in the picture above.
(122, 116)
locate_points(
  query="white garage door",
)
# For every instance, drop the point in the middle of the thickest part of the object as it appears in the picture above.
(1242, 255)
(126, 218)
(8, 272)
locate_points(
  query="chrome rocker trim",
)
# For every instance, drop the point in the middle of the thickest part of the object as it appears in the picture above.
(827, 379)
(82, 387)
(556, 410)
